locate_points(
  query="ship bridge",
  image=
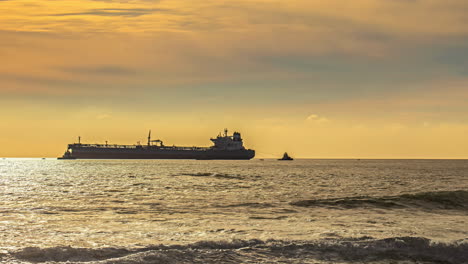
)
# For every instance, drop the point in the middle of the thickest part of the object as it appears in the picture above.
(226, 142)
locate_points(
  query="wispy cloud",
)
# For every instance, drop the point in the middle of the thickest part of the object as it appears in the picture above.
(317, 119)
(112, 12)
(100, 70)
(103, 116)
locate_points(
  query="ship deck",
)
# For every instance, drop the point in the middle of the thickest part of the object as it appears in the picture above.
(116, 146)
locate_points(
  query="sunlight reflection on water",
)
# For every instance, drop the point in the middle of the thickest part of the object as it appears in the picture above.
(95, 203)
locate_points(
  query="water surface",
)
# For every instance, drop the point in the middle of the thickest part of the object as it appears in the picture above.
(135, 204)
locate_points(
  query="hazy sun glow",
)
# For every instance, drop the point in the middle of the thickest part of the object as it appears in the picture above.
(319, 79)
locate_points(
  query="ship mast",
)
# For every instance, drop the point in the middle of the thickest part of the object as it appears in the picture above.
(149, 138)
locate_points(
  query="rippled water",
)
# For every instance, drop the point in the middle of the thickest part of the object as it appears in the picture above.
(117, 210)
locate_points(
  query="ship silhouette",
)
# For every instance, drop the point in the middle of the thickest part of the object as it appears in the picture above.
(225, 147)
(286, 157)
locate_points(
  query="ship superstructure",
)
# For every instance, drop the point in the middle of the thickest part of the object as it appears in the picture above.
(225, 147)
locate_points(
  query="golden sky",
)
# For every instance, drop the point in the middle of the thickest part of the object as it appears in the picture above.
(319, 79)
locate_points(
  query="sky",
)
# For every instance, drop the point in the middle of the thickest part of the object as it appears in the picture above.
(319, 79)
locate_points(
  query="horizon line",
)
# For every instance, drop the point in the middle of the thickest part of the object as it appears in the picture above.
(258, 158)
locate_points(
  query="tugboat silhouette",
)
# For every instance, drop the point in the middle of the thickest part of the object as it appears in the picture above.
(286, 157)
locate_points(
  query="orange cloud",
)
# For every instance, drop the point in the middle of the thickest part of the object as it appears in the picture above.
(258, 65)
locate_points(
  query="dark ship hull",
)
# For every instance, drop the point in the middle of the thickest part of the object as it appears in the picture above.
(165, 153)
(286, 157)
(225, 148)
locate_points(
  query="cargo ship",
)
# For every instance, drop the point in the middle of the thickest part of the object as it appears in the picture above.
(225, 148)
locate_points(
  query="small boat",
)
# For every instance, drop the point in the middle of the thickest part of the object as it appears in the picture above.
(286, 157)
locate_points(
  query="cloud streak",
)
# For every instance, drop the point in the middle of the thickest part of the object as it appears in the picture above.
(114, 12)
(106, 70)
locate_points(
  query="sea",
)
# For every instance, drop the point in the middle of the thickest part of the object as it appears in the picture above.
(257, 211)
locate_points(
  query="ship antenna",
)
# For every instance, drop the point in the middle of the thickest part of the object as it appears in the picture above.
(149, 138)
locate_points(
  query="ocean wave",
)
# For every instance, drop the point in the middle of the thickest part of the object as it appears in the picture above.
(252, 205)
(455, 200)
(228, 176)
(197, 174)
(362, 250)
(215, 175)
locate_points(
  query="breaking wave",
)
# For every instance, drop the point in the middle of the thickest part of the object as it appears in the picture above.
(455, 200)
(362, 250)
